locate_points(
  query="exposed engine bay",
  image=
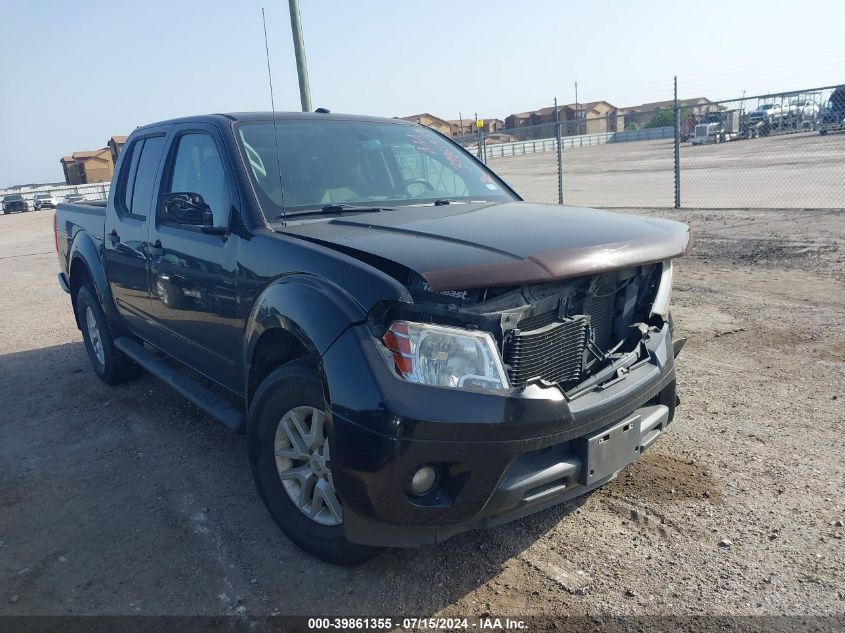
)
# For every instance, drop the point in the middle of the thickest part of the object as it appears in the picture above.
(562, 333)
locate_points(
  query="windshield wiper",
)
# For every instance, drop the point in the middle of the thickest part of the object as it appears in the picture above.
(339, 207)
(440, 202)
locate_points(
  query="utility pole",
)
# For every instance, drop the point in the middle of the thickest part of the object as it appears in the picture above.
(299, 51)
(577, 120)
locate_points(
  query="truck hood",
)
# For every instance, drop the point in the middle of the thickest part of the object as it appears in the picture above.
(461, 246)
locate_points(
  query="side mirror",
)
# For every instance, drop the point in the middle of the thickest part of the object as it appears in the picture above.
(187, 208)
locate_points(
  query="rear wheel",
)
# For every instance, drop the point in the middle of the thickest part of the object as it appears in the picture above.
(290, 455)
(110, 364)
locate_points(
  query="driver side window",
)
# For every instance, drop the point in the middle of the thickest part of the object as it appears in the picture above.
(198, 168)
(419, 167)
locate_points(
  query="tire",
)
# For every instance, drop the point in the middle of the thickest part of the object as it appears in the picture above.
(110, 364)
(296, 387)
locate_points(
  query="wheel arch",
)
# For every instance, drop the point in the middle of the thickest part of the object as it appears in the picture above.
(86, 266)
(296, 317)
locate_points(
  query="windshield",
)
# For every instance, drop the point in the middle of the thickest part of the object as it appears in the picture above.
(13, 197)
(767, 106)
(359, 163)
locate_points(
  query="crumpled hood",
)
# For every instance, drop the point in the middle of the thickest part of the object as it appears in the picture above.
(501, 244)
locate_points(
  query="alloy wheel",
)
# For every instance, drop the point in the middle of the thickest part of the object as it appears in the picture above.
(94, 335)
(303, 461)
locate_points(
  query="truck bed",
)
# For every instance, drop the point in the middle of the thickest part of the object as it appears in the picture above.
(73, 218)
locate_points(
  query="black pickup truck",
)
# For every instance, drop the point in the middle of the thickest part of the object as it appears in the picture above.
(411, 349)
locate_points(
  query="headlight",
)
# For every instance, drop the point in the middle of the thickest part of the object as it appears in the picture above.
(664, 291)
(445, 356)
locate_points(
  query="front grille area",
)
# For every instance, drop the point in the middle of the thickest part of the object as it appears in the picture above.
(538, 320)
(601, 317)
(553, 352)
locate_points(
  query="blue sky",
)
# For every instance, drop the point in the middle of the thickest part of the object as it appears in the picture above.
(75, 73)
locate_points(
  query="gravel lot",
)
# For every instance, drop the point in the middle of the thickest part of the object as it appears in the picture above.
(788, 171)
(127, 500)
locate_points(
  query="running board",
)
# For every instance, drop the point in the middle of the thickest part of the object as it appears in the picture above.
(205, 399)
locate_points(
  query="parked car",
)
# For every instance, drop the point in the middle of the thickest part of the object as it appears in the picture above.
(411, 349)
(74, 197)
(44, 201)
(14, 202)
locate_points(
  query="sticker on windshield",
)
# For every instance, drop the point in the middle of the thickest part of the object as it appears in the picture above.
(491, 186)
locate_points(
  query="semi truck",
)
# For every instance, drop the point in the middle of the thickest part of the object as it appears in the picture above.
(718, 127)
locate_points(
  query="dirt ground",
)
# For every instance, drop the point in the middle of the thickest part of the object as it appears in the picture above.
(127, 500)
(791, 171)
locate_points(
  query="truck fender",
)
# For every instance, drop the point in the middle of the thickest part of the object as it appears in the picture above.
(313, 309)
(84, 256)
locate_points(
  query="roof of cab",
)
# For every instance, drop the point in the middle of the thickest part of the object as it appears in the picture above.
(229, 117)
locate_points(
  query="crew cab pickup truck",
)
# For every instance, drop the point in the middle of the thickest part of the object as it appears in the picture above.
(411, 350)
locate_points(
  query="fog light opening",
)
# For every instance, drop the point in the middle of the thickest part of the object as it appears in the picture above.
(422, 480)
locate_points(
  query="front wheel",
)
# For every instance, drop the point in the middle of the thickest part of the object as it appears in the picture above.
(290, 455)
(110, 364)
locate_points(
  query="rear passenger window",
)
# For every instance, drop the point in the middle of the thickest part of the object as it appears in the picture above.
(127, 179)
(145, 175)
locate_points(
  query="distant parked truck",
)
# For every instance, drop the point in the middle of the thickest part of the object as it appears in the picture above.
(833, 117)
(718, 127)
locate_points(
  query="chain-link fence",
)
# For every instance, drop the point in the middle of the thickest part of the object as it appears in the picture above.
(768, 151)
(92, 191)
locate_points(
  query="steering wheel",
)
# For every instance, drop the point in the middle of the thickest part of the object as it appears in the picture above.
(255, 160)
(419, 181)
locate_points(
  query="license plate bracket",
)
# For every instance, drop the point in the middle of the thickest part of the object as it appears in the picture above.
(609, 450)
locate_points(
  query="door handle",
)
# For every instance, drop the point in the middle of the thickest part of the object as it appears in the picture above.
(156, 249)
(114, 238)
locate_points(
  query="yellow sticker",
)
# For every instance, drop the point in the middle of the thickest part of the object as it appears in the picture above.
(479, 123)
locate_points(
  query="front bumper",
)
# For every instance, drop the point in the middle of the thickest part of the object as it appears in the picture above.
(499, 456)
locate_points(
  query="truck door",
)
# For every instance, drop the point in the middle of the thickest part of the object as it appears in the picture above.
(127, 265)
(193, 258)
